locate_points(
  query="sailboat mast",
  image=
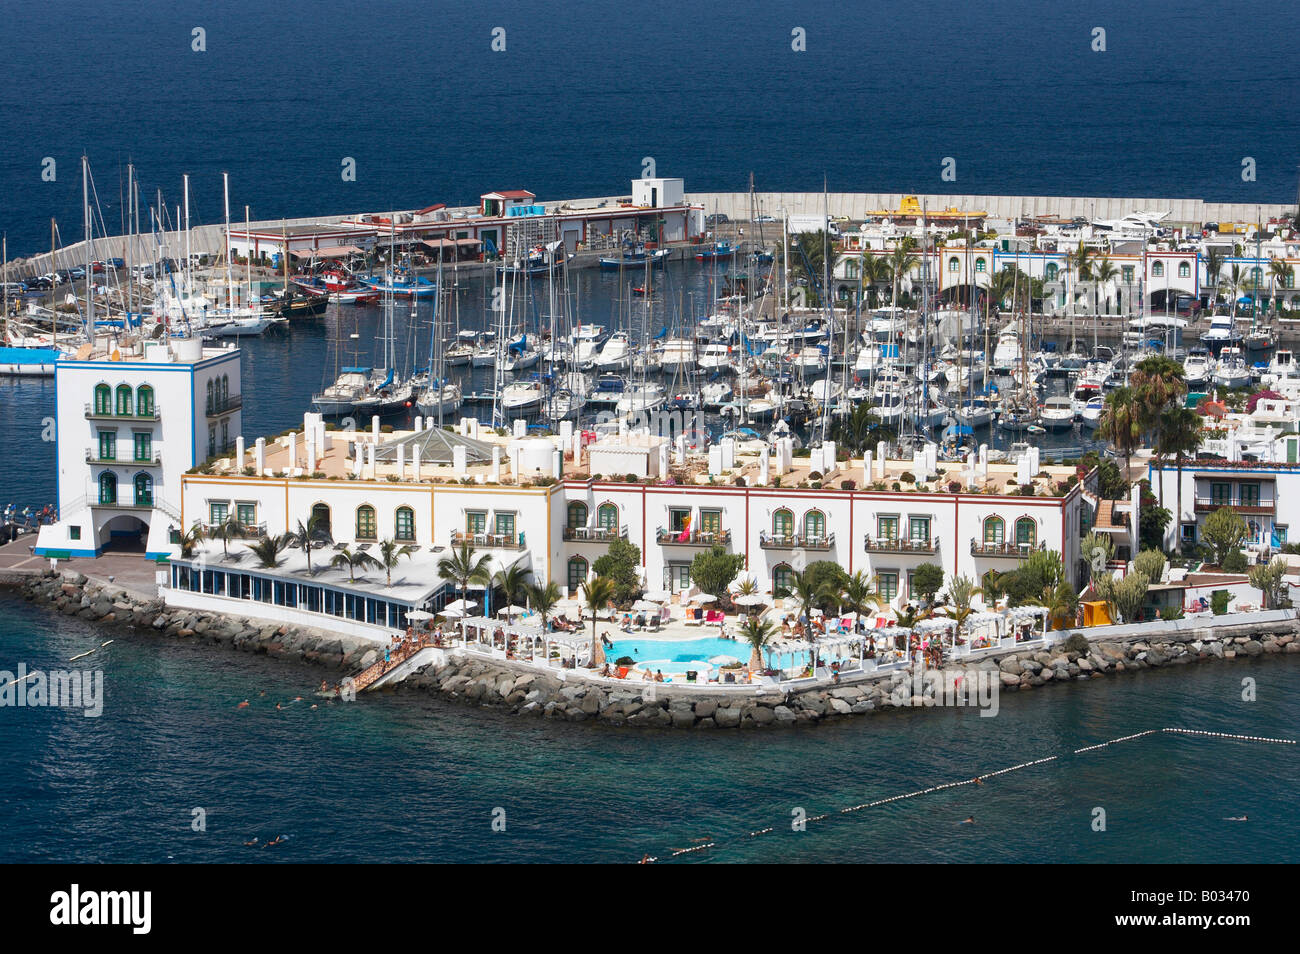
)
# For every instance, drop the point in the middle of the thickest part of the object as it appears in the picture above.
(90, 298)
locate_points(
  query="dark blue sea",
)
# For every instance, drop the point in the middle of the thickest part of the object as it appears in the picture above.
(583, 92)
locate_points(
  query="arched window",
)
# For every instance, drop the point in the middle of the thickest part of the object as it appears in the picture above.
(1026, 531)
(366, 522)
(1052, 271)
(144, 401)
(1257, 276)
(143, 490)
(577, 573)
(320, 513)
(1184, 270)
(108, 487)
(405, 524)
(814, 525)
(125, 400)
(954, 264)
(607, 517)
(212, 406)
(783, 523)
(577, 516)
(782, 579)
(994, 530)
(103, 399)
(1288, 278)
(1157, 269)
(225, 391)
(979, 265)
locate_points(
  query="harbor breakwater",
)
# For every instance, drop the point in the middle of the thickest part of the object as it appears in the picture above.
(568, 695)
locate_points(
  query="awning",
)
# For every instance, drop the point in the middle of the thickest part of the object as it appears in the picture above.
(331, 251)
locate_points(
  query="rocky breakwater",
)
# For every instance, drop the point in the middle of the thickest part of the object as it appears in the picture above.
(73, 594)
(523, 689)
(977, 683)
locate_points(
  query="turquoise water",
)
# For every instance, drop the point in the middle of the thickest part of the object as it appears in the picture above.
(676, 656)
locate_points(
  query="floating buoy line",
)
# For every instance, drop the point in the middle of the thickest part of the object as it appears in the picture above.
(978, 779)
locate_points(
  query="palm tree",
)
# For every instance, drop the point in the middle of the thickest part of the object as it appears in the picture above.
(268, 550)
(191, 538)
(992, 586)
(1002, 288)
(596, 593)
(1157, 382)
(513, 584)
(306, 533)
(901, 260)
(1120, 425)
(543, 598)
(353, 559)
(859, 595)
(390, 552)
(1279, 273)
(227, 530)
(1238, 279)
(464, 569)
(1060, 601)
(1213, 266)
(874, 271)
(1180, 435)
(756, 632)
(1103, 274)
(962, 590)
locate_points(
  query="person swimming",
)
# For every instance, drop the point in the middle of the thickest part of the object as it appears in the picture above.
(242, 705)
(1237, 818)
(250, 844)
(278, 840)
(968, 821)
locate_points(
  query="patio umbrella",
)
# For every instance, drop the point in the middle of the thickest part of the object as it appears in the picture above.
(703, 598)
(512, 610)
(453, 613)
(659, 596)
(463, 606)
(723, 660)
(418, 616)
(751, 599)
(646, 606)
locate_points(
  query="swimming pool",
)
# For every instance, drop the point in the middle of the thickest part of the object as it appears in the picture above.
(677, 655)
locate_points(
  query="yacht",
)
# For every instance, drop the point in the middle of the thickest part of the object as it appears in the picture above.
(1196, 368)
(1057, 414)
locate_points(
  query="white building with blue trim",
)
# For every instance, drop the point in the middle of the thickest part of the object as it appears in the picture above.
(132, 419)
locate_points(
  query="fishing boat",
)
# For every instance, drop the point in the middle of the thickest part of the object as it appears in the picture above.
(716, 251)
(401, 282)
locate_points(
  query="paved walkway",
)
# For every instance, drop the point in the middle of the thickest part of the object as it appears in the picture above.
(131, 571)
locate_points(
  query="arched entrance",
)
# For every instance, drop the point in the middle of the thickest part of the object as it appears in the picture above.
(125, 533)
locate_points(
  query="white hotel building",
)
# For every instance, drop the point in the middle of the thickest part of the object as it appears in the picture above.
(529, 501)
(131, 420)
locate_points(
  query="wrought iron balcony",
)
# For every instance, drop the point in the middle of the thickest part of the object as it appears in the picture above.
(108, 414)
(1003, 548)
(232, 403)
(926, 545)
(1209, 505)
(153, 461)
(594, 534)
(490, 541)
(693, 538)
(796, 541)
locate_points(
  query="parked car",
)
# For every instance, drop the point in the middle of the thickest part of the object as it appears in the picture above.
(717, 218)
(766, 218)
(116, 263)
